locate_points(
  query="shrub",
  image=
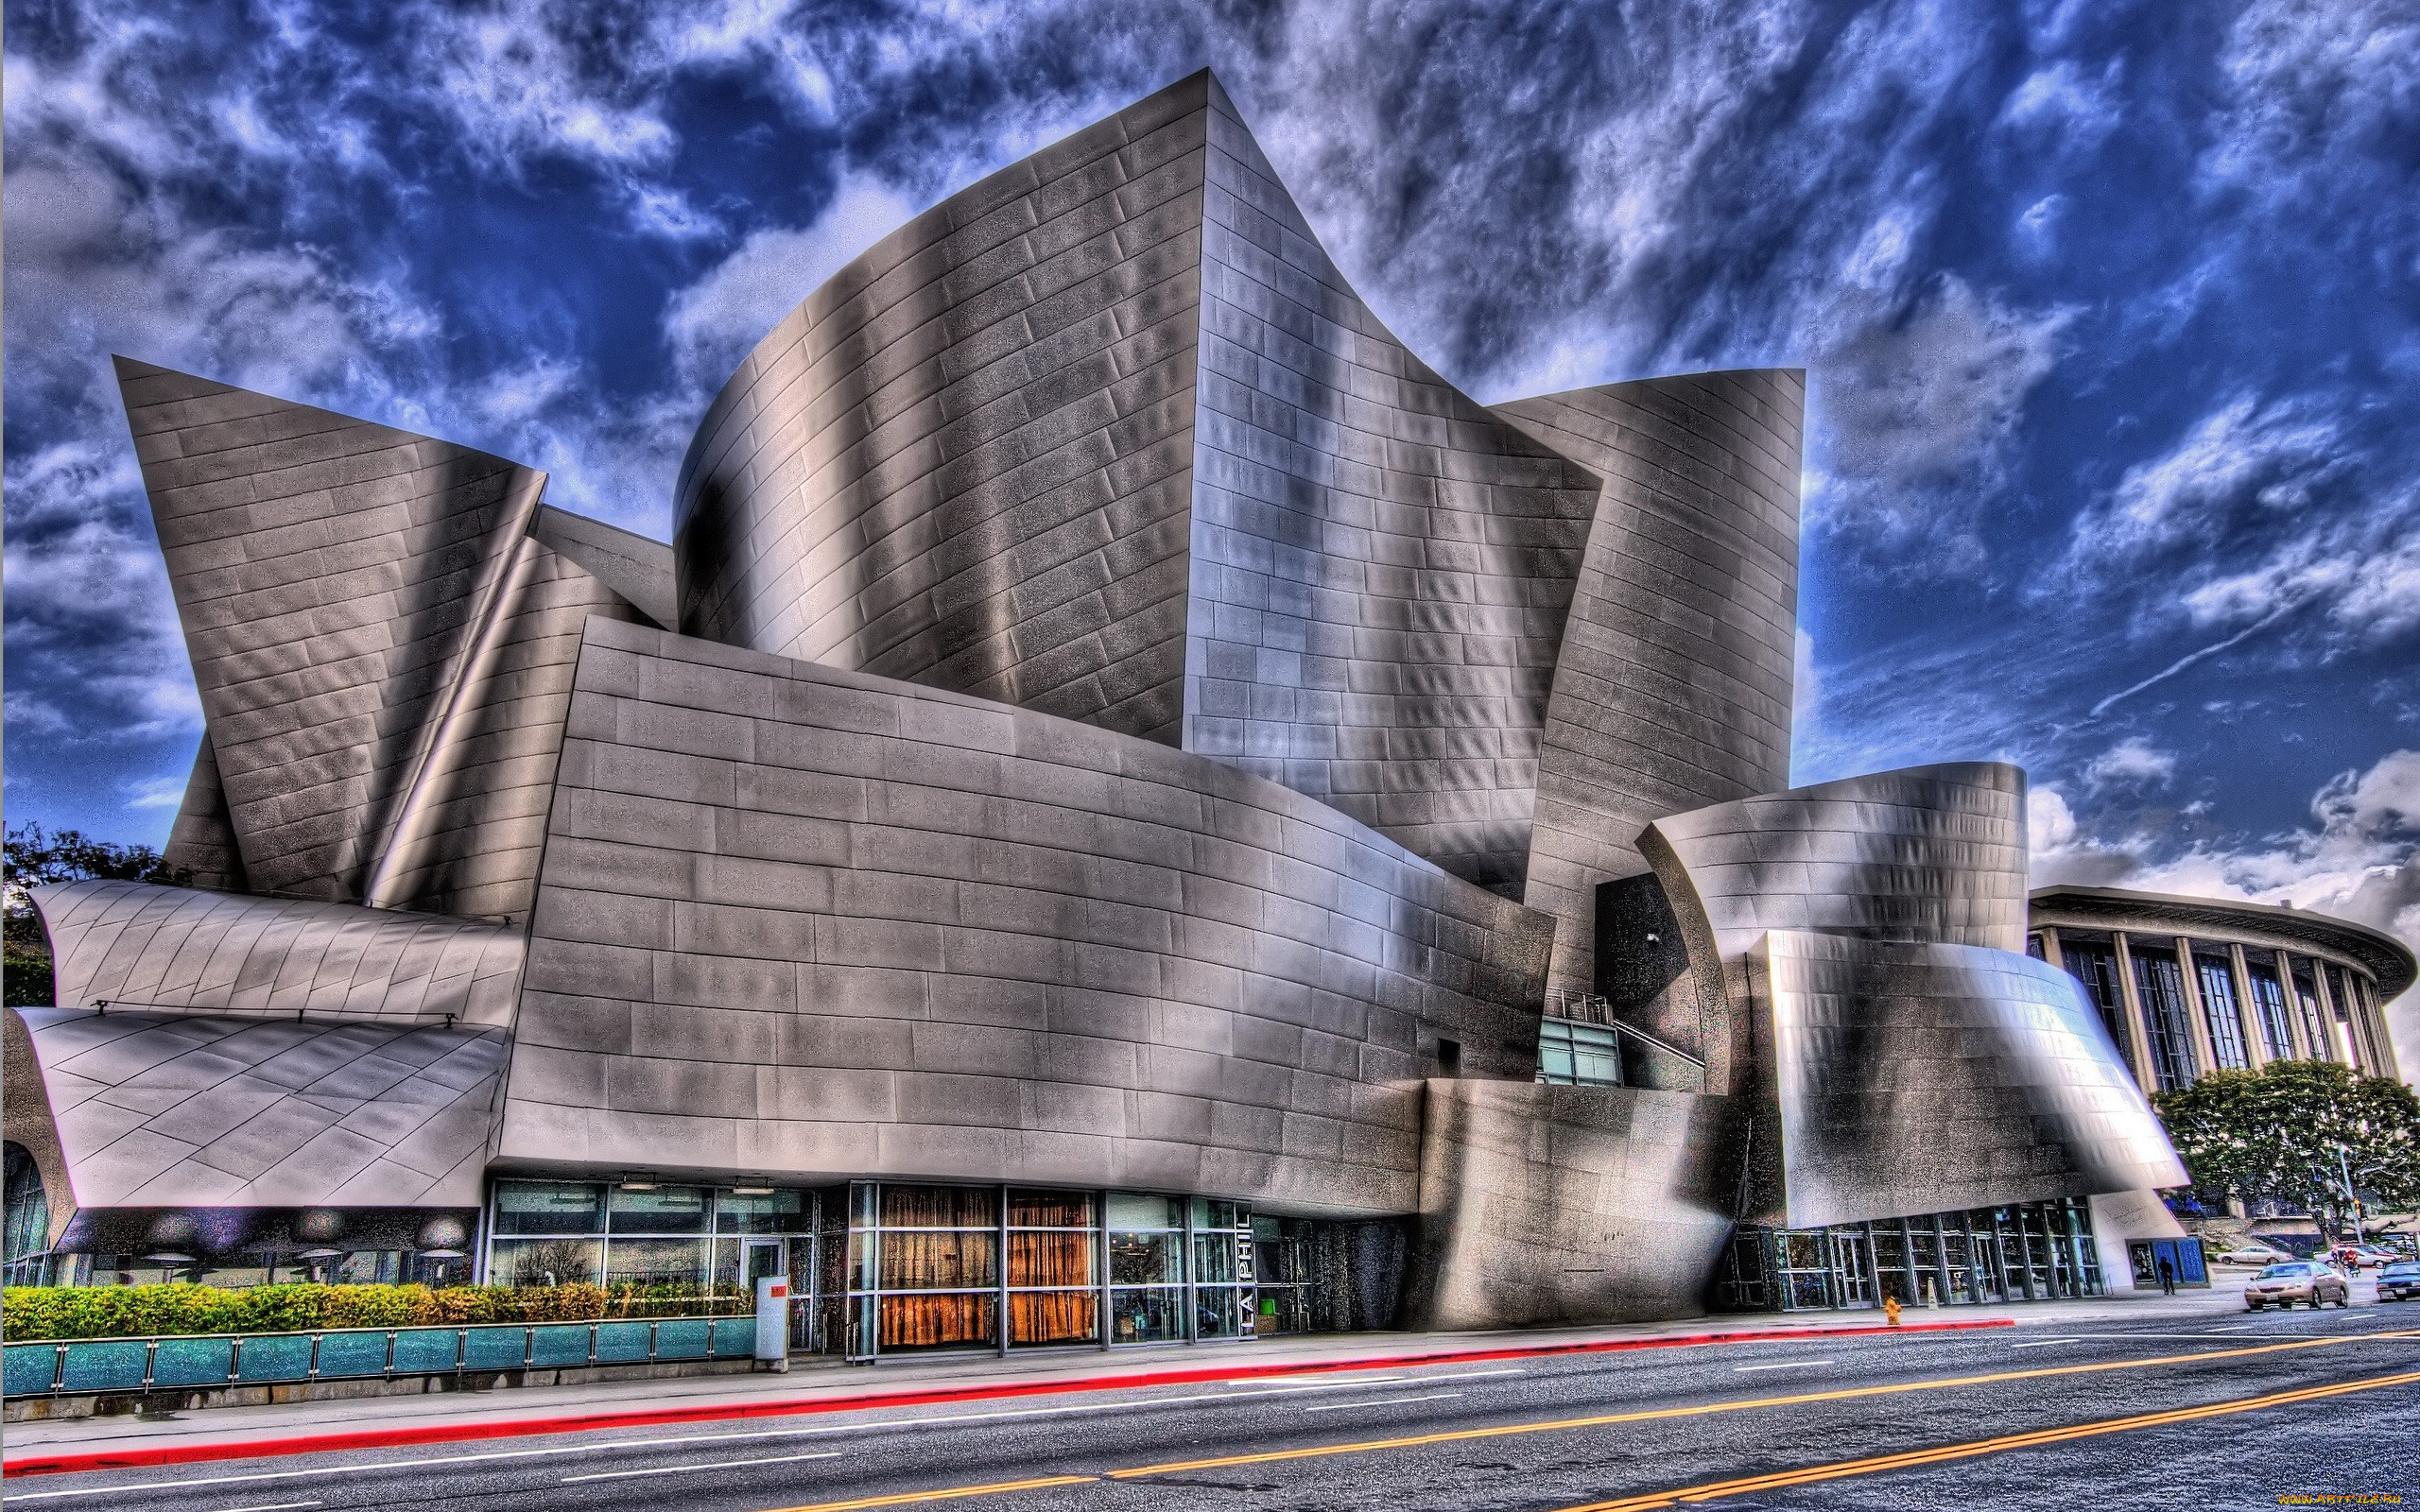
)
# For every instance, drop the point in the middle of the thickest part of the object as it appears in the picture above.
(37, 1313)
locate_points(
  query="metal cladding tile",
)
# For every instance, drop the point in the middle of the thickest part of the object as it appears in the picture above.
(1880, 1046)
(1079, 933)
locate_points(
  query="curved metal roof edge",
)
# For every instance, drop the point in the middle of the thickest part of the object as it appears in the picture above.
(2391, 960)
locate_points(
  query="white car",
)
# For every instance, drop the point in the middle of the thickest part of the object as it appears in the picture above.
(2253, 1255)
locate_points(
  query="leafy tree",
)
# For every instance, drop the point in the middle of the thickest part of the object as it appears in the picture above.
(2274, 1134)
(36, 856)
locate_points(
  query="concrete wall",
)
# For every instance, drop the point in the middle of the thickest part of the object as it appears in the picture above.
(819, 925)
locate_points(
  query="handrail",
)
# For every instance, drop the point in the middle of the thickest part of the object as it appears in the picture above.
(1586, 1008)
(527, 1357)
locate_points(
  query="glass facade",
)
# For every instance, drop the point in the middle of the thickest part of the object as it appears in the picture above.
(2215, 975)
(2269, 1008)
(27, 1223)
(935, 1267)
(2031, 1251)
(715, 1240)
(2323, 1044)
(1571, 1054)
(2159, 985)
(2096, 967)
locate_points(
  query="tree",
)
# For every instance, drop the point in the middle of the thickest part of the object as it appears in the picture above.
(2274, 1134)
(36, 856)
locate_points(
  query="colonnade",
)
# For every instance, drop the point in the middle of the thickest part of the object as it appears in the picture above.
(2351, 1029)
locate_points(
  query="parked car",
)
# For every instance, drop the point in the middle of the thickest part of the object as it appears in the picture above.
(2399, 1281)
(2353, 1257)
(2255, 1253)
(2310, 1282)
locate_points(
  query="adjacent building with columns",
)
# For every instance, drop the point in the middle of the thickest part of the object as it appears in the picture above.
(2187, 985)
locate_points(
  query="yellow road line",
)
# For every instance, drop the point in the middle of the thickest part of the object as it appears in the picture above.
(951, 1494)
(1715, 1491)
(1467, 1435)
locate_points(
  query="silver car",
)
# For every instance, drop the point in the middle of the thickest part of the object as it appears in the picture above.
(2308, 1281)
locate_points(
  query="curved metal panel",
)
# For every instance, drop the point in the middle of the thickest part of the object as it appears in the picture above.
(1917, 1077)
(145, 946)
(811, 922)
(198, 1112)
(966, 459)
(469, 842)
(1672, 687)
(1933, 853)
(1554, 1205)
(1380, 567)
(334, 578)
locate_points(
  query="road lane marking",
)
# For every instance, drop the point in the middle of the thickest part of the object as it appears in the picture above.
(824, 1430)
(952, 1494)
(272, 1506)
(1707, 1409)
(1785, 1365)
(1716, 1490)
(1382, 1401)
(2043, 1344)
(704, 1465)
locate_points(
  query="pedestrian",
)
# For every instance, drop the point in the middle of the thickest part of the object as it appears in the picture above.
(2167, 1278)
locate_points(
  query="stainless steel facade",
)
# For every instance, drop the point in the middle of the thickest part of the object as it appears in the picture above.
(1112, 719)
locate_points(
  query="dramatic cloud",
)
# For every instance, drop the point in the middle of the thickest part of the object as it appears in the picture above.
(2108, 319)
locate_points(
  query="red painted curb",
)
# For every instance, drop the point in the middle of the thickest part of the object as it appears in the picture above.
(590, 1423)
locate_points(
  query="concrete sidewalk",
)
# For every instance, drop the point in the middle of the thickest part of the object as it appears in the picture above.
(819, 1385)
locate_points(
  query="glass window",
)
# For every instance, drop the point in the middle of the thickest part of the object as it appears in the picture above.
(1145, 1258)
(2269, 1000)
(1142, 1209)
(550, 1208)
(765, 1213)
(2096, 967)
(2161, 988)
(1053, 1318)
(1213, 1258)
(1051, 1209)
(1139, 1316)
(905, 1207)
(663, 1211)
(923, 1260)
(546, 1261)
(1063, 1258)
(1208, 1213)
(1578, 1054)
(659, 1262)
(938, 1320)
(2219, 1007)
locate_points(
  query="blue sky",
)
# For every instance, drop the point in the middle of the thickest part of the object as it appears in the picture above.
(2111, 313)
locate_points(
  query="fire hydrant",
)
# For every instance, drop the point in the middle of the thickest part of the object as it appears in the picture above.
(1890, 1309)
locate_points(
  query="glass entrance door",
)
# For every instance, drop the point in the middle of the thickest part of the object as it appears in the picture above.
(765, 1257)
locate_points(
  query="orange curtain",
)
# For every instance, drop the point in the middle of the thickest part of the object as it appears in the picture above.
(1052, 1317)
(1050, 1259)
(939, 1318)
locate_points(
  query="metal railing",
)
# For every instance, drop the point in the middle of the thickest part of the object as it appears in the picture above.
(193, 1362)
(1586, 1008)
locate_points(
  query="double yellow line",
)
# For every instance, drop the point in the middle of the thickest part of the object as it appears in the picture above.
(1716, 1490)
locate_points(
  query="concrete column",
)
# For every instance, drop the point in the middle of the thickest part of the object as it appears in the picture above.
(2139, 1051)
(2194, 1012)
(2295, 1026)
(2051, 947)
(2256, 1040)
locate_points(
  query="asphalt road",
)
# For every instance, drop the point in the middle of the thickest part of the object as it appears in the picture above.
(2215, 1410)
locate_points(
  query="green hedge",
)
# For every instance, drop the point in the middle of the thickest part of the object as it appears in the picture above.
(35, 1313)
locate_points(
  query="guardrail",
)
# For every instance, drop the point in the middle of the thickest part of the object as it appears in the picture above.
(191, 1362)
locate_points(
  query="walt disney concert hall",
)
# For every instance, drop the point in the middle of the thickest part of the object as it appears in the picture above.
(1131, 809)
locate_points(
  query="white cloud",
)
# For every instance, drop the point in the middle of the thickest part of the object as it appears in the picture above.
(2133, 762)
(157, 793)
(710, 325)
